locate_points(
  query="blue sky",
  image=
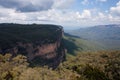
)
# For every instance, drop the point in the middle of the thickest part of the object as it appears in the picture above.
(90, 4)
(68, 13)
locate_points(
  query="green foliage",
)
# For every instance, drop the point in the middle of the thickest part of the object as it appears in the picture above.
(102, 65)
(16, 68)
(10, 67)
(94, 73)
(10, 34)
(112, 69)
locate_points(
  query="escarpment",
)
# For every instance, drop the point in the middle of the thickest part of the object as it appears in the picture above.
(42, 44)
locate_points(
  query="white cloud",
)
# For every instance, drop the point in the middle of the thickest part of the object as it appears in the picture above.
(35, 5)
(101, 15)
(55, 16)
(27, 5)
(11, 14)
(86, 14)
(114, 19)
(116, 10)
(102, 0)
(85, 2)
(62, 4)
(118, 4)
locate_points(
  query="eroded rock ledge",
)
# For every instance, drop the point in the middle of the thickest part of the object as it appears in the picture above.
(42, 44)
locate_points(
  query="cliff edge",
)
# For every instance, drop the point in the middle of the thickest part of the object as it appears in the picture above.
(42, 44)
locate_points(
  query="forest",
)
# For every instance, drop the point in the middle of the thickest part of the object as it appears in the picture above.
(99, 65)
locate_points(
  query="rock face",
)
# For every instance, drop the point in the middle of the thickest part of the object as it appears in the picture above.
(42, 44)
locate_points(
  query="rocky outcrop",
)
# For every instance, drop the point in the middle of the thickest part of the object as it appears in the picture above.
(46, 51)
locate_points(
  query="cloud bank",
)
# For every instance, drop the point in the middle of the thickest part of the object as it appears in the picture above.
(27, 5)
(55, 12)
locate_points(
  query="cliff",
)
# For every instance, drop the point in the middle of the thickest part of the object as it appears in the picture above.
(42, 44)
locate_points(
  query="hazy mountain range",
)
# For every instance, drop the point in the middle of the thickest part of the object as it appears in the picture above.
(106, 35)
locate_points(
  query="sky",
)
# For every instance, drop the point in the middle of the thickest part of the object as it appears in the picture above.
(68, 13)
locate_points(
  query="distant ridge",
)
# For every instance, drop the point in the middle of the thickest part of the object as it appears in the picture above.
(108, 35)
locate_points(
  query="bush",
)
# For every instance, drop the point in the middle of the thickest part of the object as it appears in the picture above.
(94, 73)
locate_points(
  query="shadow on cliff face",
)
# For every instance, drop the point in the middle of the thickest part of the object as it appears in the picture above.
(70, 46)
(70, 35)
(69, 43)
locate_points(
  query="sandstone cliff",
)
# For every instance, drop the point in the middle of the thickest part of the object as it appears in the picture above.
(42, 44)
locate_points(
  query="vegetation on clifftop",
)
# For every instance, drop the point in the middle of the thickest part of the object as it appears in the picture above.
(10, 34)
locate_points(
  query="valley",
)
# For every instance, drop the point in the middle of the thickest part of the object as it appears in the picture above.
(106, 35)
(46, 52)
